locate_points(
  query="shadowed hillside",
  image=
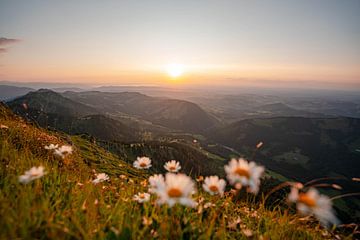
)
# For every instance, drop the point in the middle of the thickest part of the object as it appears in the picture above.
(171, 113)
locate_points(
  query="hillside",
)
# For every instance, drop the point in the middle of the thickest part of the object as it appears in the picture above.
(232, 108)
(309, 144)
(64, 204)
(303, 149)
(50, 102)
(50, 109)
(171, 113)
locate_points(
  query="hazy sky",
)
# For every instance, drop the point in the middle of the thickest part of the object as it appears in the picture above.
(280, 42)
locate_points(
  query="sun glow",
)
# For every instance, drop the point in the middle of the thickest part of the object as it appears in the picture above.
(175, 70)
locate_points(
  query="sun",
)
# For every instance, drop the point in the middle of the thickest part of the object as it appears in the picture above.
(175, 70)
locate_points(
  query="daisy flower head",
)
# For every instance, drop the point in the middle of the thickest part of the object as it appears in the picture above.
(314, 203)
(178, 188)
(63, 151)
(142, 163)
(51, 146)
(32, 174)
(214, 185)
(141, 197)
(172, 166)
(243, 173)
(101, 177)
(156, 182)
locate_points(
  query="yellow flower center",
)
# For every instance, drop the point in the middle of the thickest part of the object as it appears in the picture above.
(172, 168)
(174, 193)
(214, 188)
(242, 172)
(143, 164)
(141, 195)
(305, 199)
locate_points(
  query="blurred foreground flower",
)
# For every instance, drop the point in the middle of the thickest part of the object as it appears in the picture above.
(172, 166)
(52, 146)
(214, 185)
(243, 173)
(101, 177)
(178, 188)
(314, 203)
(142, 163)
(32, 174)
(156, 182)
(63, 151)
(141, 197)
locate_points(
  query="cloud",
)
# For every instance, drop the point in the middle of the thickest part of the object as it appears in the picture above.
(7, 41)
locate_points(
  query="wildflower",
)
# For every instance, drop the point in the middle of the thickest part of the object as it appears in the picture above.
(84, 206)
(247, 232)
(214, 185)
(146, 221)
(178, 188)
(122, 176)
(244, 173)
(115, 231)
(32, 174)
(141, 197)
(200, 178)
(259, 145)
(209, 205)
(314, 203)
(101, 177)
(63, 151)
(172, 166)
(156, 182)
(233, 224)
(144, 183)
(51, 147)
(142, 163)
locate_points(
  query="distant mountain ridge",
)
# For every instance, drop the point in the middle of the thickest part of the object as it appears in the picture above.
(8, 92)
(171, 113)
(50, 109)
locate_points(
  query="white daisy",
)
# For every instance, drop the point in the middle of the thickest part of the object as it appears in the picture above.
(172, 166)
(156, 182)
(63, 151)
(32, 174)
(101, 177)
(314, 203)
(52, 146)
(141, 197)
(142, 163)
(178, 188)
(214, 185)
(243, 173)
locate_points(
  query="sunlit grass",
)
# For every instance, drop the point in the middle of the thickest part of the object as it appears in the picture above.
(65, 204)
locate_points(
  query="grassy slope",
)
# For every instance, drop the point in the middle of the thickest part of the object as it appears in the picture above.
(55, 206)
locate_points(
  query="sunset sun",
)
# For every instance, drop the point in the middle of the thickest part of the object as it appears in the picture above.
(174, 70)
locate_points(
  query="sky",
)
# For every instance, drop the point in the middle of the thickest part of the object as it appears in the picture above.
(280, 43)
